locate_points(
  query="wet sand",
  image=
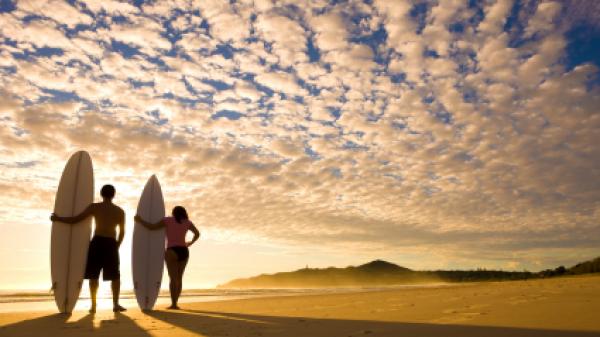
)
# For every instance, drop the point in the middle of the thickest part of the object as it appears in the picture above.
(561, 307)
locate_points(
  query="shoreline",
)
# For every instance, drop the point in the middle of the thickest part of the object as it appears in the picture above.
(563, 307)
(39, 301)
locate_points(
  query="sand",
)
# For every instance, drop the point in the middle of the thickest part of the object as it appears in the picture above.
(568, 306)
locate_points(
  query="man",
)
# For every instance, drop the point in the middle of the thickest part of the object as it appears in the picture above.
(103, 253)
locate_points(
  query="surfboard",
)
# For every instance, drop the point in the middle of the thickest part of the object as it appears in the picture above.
(69, 243)
(148, 248)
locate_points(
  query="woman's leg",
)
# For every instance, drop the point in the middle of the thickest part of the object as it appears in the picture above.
(180, 270)
(173, 270)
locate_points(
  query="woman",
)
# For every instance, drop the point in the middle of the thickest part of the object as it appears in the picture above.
(177, 253)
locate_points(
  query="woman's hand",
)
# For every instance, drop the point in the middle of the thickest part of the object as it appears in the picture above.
(53, 217)
(148, 225)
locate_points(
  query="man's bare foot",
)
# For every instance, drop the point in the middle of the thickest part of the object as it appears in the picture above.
(118, 308)
(174, 307)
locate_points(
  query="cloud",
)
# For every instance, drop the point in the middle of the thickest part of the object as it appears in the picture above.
(377, 127)
(331, 32)
(542, 20)
(38, 33)
(282, 82)
(287, 148)
(247, 90)
(357, 58)
(495, 17)
(287, 36)
(226, 24)
(192, 42)
(111, 7)
(60, 11)
(144, 33)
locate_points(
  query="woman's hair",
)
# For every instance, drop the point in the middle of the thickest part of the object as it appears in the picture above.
(180, 214)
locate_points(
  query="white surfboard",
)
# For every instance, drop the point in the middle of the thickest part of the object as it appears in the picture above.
(69, 243)
(148, 248)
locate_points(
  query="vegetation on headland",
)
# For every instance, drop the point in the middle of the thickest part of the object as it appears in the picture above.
(383, 273)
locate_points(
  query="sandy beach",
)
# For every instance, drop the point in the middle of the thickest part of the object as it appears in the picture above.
(567, 306)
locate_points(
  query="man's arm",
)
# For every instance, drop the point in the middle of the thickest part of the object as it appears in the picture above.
(74, 219)
(196, 235)
(121, 229)
(149, 225)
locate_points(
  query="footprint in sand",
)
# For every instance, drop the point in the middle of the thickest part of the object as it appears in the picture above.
(517, 300)
(456, 316)
(461, 314)
(360, 333)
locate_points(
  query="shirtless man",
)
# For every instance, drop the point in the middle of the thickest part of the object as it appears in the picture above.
(103, 253)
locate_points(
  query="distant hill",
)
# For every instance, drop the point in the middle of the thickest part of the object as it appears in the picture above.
(592, 266)
(587, 267)
(377, 272)
(383, 273)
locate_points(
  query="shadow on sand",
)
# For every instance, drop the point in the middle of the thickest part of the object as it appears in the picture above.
(61, 325)
(211, 324)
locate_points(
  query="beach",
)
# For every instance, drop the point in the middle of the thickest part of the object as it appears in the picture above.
(566, 306)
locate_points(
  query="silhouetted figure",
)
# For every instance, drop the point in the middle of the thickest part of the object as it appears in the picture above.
(103, 253)
(177, 253)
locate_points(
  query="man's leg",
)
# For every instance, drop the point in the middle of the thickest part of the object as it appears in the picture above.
(112, 273)
(116, 289)
(93, 292)
(92, 271)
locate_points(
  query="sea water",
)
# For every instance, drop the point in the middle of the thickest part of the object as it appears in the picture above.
(37, 300)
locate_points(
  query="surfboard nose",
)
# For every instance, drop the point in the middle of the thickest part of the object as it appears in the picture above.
(82, 153)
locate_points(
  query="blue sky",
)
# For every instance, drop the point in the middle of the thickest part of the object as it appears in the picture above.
(436, 134)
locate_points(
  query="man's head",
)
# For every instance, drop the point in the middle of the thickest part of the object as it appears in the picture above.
(107, 192)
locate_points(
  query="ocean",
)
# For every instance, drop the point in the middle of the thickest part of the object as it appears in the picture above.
(38, 300)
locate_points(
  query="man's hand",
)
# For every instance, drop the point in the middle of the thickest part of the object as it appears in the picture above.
(189, 243)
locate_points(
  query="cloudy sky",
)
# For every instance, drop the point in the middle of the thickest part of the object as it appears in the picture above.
(434, 134)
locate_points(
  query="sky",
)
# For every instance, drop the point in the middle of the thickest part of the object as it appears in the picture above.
(432, 134)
